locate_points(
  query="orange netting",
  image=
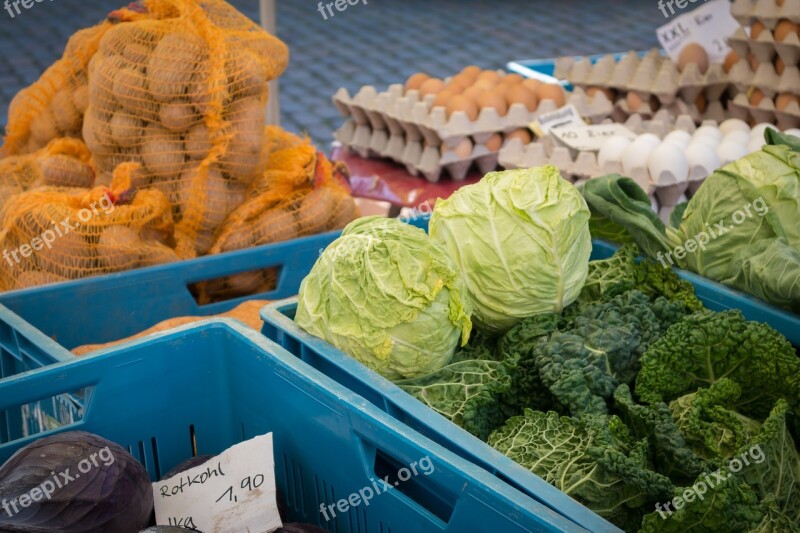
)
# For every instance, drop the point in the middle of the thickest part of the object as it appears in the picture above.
(184, 93)
(51, 234)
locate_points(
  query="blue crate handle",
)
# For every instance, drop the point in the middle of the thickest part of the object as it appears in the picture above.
(106, 373)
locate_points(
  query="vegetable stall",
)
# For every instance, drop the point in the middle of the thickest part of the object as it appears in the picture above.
(585, 318)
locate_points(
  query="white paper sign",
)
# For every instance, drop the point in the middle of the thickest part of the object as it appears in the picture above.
(564, 116)
(233, 492)
(589, 138)
(710, 26)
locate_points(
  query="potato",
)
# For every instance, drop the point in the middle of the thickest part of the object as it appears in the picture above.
(315, 210)
(64, 111)
(344, 213)
(43, 127)
(162, 153)
(126, 130)
(35, 278)
(172, 64)
(178, 116)
(275, 225)
(96, 133)
(71, 256)
(80, 98)
(246, 74)
(222, 197)
(158, 254)
(136, 53)
(245, 283)
(247, 120)
(238, 239)
(119, 248)
(200, 92)
(101, 85)
(130, 92)
(65, 171)
(198, 142)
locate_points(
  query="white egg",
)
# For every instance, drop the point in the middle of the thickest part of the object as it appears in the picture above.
(679, 138)
(755, 145)
(734, 124)
(649, 139)
(759, 129)
(737, 136)
(708, 131)
(635, 156)
(794, 131)
(711, 142)
(612, 150)
(729, 152)
(667, 164)
(702, 159)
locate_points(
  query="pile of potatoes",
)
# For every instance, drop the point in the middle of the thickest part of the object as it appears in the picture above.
(159, 100)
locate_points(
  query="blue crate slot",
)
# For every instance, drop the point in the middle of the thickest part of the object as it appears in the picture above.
(203, 388)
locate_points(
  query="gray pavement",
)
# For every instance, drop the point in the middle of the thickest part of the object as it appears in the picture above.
(379, 43)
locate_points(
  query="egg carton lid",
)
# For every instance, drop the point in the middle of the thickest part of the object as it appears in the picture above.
(767, 11)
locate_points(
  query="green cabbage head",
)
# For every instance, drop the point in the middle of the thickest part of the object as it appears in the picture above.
(521, 240)
(389, 296)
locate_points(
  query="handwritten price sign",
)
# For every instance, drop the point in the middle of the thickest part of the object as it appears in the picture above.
(232, 492)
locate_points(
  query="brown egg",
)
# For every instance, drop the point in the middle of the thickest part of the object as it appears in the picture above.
(460, 102)
(490, 75)
(494, 143)
(531, 84)
(784, 29)
(519, 94)
(591, 92)
(730, 61)
(462, 79)
(472, 71)
(753, 60)
(756, 96)
(523, 134)
(501, 89)
(457, 86)
(546, 91)
(492, 99)
(701, 103)
(511, 79)
(780, 66)
(784, 100)
(442, 98)
(693, 53)
(463, 149)
(431, 86)
(636, 102)
(415, 80)
(756, 29)
(485, 84)
(473, 93)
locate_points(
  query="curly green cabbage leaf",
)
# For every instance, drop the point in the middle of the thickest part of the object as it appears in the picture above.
(727, 505)
(712, 428)
(585, 458)
(521, 240)
(389, 296)
(671, 455)
(466, 392)
(703, 348)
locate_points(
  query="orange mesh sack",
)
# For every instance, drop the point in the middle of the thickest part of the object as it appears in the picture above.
(184, 93)
(62, 163)
(52, 234)
(300, 193)
(54, 105)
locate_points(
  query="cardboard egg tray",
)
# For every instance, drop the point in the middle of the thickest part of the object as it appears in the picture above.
(765, 111)
(767, 11)
(648, 75)
(409, 130)
(765, 48)
(578, 167)
(765, 78)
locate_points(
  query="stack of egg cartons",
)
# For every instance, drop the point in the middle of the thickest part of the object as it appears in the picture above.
(768, 73)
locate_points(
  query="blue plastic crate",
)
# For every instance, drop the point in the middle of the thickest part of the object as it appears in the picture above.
(203, 388)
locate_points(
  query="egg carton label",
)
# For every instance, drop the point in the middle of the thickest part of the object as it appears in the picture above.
(589, 138)
(565, 116)
(710, 26)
